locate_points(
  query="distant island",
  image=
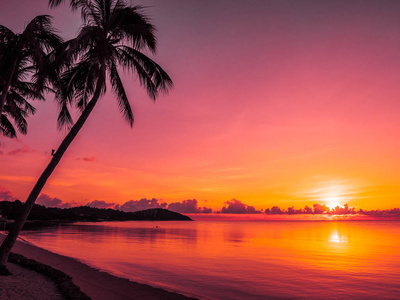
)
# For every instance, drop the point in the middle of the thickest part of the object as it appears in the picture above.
(47, 215)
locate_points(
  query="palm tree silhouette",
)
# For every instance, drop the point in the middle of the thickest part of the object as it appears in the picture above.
(22, 55)
(113, 34)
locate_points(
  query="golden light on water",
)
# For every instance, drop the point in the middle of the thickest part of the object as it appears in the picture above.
(335, 237)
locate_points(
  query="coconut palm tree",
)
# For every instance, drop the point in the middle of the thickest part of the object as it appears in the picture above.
(113, 34)
(23, 54)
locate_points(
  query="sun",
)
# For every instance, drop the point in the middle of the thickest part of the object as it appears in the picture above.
(333, 195)
(333, 200)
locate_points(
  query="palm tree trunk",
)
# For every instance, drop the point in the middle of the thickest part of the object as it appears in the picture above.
(6, 87)
(12, 236)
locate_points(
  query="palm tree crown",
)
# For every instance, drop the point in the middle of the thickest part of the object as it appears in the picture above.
(113, 35)
(21, 56)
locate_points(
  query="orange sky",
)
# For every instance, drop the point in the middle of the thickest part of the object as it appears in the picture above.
(275, 103)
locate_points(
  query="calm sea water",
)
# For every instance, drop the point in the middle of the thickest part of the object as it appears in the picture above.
(241, 259)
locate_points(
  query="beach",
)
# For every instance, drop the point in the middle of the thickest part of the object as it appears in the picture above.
(94, 283)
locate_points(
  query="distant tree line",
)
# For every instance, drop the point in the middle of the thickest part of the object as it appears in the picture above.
(11, 210)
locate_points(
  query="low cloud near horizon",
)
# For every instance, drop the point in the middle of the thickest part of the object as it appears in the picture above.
(188, 207)
(100, 204)
(6, 195)
(237, 207)
(142, 204)
(48, 201)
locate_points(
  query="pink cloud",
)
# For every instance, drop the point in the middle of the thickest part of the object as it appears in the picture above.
(89, 159)
(48, 201)
(188, 206)
(142, 204)
(319, 209)
(100, 204)
(237, 207)
(6, 195)
(23, 150)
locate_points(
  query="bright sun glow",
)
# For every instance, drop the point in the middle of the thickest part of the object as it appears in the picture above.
(331, 194)
(333, 199)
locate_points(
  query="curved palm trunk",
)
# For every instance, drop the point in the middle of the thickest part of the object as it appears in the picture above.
(12, 236)
(6, 87)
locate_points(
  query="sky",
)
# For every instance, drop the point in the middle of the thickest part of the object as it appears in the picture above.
(284, 103)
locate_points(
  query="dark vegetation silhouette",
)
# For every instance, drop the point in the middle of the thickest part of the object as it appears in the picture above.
(22, 55)
(113, 34)
(11, 210)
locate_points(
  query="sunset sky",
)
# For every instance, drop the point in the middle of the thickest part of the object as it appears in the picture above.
(274, 103)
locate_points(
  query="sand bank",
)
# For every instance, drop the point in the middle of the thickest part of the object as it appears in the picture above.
(96, 284)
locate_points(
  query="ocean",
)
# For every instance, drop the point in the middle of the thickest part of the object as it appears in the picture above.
(240, 259)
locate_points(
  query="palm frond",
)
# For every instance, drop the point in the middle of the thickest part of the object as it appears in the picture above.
(15, 99)
(79, 82)
(91, 14)
(39, 38)
(151, 75)
(49, 72)
(64, 119)
(6, 127)
(18, 115)
(130, 24)
(86, 41)
(28, 89)
(122, 99)
(55, 3)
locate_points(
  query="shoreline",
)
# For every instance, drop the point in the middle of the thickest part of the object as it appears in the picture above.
(94, 283)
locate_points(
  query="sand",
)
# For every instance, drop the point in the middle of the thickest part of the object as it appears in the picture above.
(96, 284)
(28, 285)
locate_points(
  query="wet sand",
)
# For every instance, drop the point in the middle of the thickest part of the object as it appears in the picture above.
(94, 283)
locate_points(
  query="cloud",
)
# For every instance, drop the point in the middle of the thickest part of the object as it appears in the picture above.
(100, 204)
(319, 209)
(344, 210)
(135, 205)
(6, 195)
(188, 206)
(388, 213)
(48, 201)
(275, 210)
(23, 150)
(89, 159)
(237, 207)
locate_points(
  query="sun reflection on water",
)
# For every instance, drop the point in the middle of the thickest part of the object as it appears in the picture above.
(335, 237)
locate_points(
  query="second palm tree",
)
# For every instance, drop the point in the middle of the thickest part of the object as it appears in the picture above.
(113, 34)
